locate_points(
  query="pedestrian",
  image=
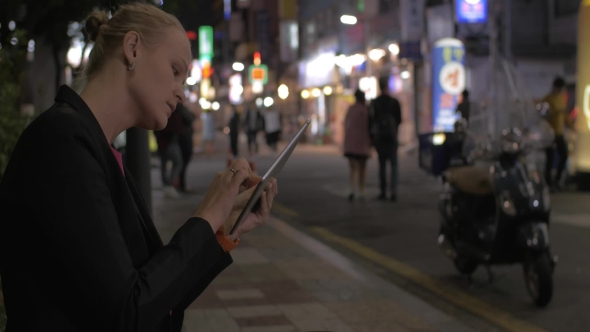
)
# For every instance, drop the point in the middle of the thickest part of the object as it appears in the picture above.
(169, 150)
(272, 127)
(464, 106)
(385, 118)
(254, 123)
(79, 250)
(558, 118)
(186, 144)
(357, 144)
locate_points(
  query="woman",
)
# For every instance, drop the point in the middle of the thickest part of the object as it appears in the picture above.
(78, 248)
(357, 144)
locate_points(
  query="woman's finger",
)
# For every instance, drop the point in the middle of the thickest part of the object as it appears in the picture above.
(264, 211)
(242, 164)
(240, 178)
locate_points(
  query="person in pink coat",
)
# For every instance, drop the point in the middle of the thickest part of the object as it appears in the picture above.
(357, 144)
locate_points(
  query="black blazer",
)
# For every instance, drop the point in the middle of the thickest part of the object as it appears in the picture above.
(78, 248)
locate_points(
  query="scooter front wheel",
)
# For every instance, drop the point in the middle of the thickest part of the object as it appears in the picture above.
(538, 274)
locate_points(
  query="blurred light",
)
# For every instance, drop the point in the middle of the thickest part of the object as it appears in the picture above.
(369, 86)
(14, 41)
(257, 87)
(11, 25)
(327, 90)
(439, 139)
(394, 49)
(31, 46)
(259, 102)
(257, 60)
(304, 94)
(238, 66)
(75, 25)
(196, 71)
(202, 100)
(405, 74)
(316, 92)
(74, 55)
(215, 106)
(348, 19)
(376, 54)
(226, 130)
(268, 101)
(205, 104)
(191, 80)
(192, 97)
(283, 91)
(191, 35)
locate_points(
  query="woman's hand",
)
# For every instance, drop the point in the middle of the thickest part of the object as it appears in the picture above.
(221, 195)
(259, 216)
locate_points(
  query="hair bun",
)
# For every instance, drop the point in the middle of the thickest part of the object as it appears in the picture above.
(94, 22)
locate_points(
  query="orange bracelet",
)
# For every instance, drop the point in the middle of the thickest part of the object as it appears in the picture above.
(224, 241)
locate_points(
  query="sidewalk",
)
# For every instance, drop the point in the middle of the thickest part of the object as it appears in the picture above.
(284, 280)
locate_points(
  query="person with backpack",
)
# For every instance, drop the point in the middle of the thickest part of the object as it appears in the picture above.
(385, 117)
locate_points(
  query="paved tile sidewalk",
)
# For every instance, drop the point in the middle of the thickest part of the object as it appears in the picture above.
(283, 280)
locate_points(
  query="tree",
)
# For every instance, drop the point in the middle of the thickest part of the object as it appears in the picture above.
(50, 22)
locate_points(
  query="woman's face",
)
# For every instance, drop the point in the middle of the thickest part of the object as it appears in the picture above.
(158, 79)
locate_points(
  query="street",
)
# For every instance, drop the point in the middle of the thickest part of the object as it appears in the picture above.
(398, 240)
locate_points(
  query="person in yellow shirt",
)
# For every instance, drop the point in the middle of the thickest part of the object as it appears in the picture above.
(557, 118)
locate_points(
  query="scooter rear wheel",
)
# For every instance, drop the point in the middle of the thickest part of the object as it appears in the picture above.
(538, 274)
(465, 265)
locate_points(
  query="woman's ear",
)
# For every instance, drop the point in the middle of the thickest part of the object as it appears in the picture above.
(130, 47)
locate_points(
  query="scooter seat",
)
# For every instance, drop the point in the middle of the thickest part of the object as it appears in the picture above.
(470, 180)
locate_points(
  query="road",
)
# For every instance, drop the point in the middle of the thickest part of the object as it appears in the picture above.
(398, 241)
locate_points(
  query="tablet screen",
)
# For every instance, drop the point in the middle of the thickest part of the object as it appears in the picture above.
(272, 172)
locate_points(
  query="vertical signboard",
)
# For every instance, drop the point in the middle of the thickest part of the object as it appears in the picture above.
(471, 11)
(448, 82)
(412, 19)
(206, 42)
(289, 40)
(227, 9)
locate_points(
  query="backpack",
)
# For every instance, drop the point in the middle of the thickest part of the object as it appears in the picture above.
(384, 125)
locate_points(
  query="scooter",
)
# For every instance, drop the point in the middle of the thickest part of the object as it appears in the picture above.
(499, 216)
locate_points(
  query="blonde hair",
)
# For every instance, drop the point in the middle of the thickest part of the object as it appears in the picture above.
(107, 34)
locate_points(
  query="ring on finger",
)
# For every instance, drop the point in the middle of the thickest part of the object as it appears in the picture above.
(232, 170)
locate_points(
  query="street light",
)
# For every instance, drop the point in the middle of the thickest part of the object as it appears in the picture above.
(268, 101)
(327, 90)
(305, 94)
(283, 91)
(316, 92)
(376, 54)
(348, 19)
(394, 49)
(238, 66)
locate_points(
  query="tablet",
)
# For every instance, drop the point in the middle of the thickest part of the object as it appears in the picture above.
(276, 167)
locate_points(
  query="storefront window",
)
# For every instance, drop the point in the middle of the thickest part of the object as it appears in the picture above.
(566, 7)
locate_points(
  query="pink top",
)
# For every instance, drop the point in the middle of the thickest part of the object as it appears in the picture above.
(357, 140)
(119, 158)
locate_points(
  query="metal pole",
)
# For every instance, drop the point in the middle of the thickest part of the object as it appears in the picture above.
(493, 58)
(138, 159)
(367, 45)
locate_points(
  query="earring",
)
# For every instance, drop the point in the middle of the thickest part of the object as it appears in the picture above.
(131, 66)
